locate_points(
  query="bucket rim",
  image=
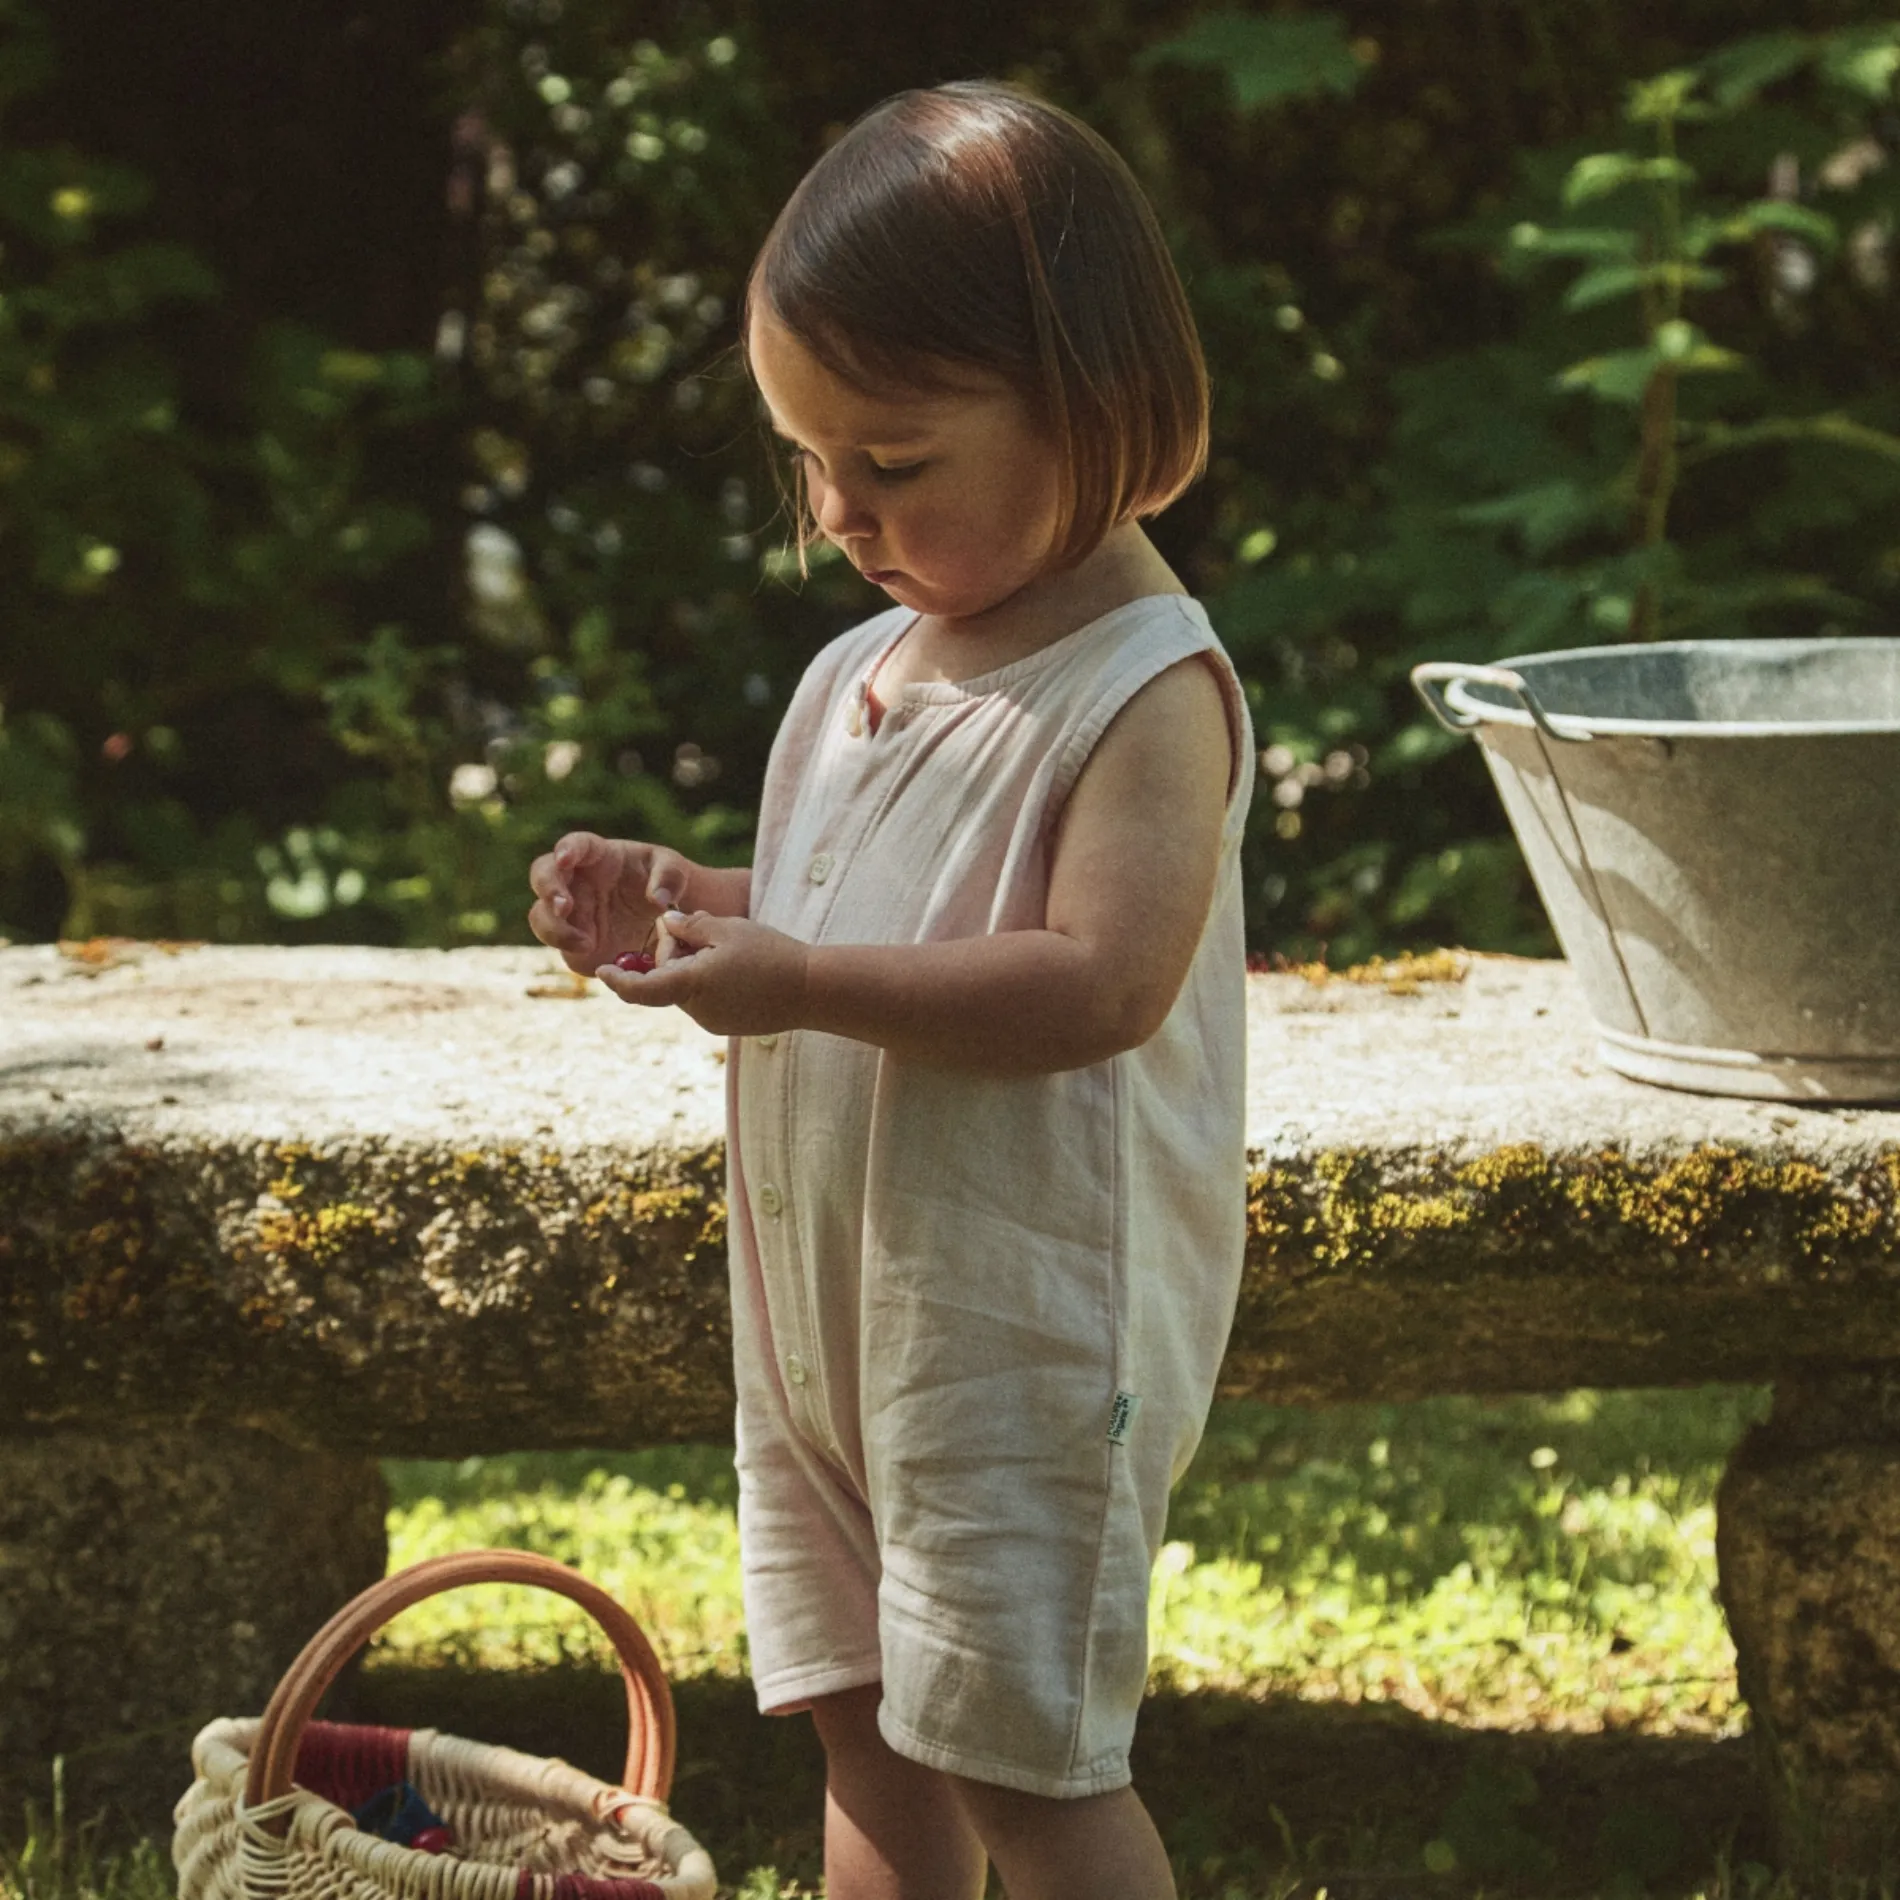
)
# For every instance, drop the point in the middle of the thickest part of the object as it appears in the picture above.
(1486, 711)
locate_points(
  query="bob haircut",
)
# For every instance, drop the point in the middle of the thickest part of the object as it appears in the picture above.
(971, 227)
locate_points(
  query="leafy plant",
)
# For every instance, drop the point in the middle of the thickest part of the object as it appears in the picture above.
(87, 422)
(1645, 234)
(211, 723)
(1685, 425)
(174, 595)
(55, 1858)
(1268, 59)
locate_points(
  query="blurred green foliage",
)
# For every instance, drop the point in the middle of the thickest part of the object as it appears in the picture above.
(1680, 425)
(210, 729)
(1575, 333)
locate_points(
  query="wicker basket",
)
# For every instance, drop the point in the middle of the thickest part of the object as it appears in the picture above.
(268, 1817)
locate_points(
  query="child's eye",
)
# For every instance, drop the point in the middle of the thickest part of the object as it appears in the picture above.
(897, 471)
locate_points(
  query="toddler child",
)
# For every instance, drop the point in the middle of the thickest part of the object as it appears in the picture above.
(984, 983)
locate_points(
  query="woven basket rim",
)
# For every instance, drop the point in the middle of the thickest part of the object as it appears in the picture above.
(312, 1823)
(512, 1773)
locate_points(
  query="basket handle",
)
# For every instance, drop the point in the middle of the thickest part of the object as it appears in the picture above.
(1431, 678)
(650, 1726)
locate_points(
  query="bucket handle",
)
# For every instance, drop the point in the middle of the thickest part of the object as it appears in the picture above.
(1430, 680)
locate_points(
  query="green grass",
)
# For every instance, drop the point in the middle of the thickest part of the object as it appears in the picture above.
(1546, 1562)
(1532, 1562)
(53, 1859)
(655, 1529)
(1445, 1649)
(1543, 1566)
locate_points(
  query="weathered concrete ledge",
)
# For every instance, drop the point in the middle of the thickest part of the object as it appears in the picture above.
(266, 1214)
(249, 1186)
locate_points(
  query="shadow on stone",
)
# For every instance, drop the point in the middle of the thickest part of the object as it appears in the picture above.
(124, 1557)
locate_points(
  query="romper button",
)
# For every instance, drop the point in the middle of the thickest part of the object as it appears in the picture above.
(770, 1200)
(767, 1042)
(794, 1368)
(820, 867)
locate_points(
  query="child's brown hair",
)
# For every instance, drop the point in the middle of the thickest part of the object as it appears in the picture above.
(973, 226)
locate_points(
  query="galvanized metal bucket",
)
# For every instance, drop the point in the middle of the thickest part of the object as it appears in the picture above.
(1714, 828)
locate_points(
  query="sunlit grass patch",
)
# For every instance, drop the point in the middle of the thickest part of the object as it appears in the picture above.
(1541, 1562)
(655, 1529)
(1536, 1562)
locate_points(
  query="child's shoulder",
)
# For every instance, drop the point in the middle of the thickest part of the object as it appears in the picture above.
(1140, 638)
(1181, 616)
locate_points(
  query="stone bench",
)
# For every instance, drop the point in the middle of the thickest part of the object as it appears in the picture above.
(267, 1215)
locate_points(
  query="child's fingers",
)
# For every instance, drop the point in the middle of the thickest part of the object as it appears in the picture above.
(666, 879)
(559, 936)
(571, 860)
(549, 882)
(572, 850)
(683, 933)
(553, 932)
(656, 989)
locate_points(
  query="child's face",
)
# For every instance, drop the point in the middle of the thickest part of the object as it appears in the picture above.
(948, 500)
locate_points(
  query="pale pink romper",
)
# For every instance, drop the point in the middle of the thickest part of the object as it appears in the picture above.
(977, 1318)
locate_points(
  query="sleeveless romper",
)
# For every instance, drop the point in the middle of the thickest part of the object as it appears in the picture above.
(977, 1319)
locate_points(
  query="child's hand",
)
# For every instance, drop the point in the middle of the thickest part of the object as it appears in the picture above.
(732, 976)
(596, 898)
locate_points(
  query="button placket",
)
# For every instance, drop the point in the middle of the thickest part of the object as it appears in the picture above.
(814, 871)
(778, 1250)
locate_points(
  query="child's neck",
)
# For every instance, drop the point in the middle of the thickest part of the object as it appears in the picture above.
(1124, 566)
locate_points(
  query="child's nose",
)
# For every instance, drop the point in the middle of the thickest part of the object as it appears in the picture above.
(839, 511)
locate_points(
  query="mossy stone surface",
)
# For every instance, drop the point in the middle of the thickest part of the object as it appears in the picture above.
(418, 1202)
(152, 1580)
(373, 1201)
(1808, 1542)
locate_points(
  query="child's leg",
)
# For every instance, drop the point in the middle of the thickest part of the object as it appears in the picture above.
(894, 1829)
(1082, 1849)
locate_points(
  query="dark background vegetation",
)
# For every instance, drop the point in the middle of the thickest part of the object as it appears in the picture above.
(379, 494)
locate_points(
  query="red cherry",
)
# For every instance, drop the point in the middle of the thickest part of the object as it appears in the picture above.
(432, 1840)
(635, 960)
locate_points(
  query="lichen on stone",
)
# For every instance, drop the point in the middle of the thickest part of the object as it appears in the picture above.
(410, 1297)
(1361, 1211)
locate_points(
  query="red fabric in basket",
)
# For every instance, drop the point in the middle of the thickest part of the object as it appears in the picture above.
(347, 1762)
(586, 1887)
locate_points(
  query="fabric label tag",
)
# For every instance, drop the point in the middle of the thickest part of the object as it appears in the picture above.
(1121, 1416)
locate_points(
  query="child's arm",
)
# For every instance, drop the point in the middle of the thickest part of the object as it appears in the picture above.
(1136, 857)
(596, 897)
